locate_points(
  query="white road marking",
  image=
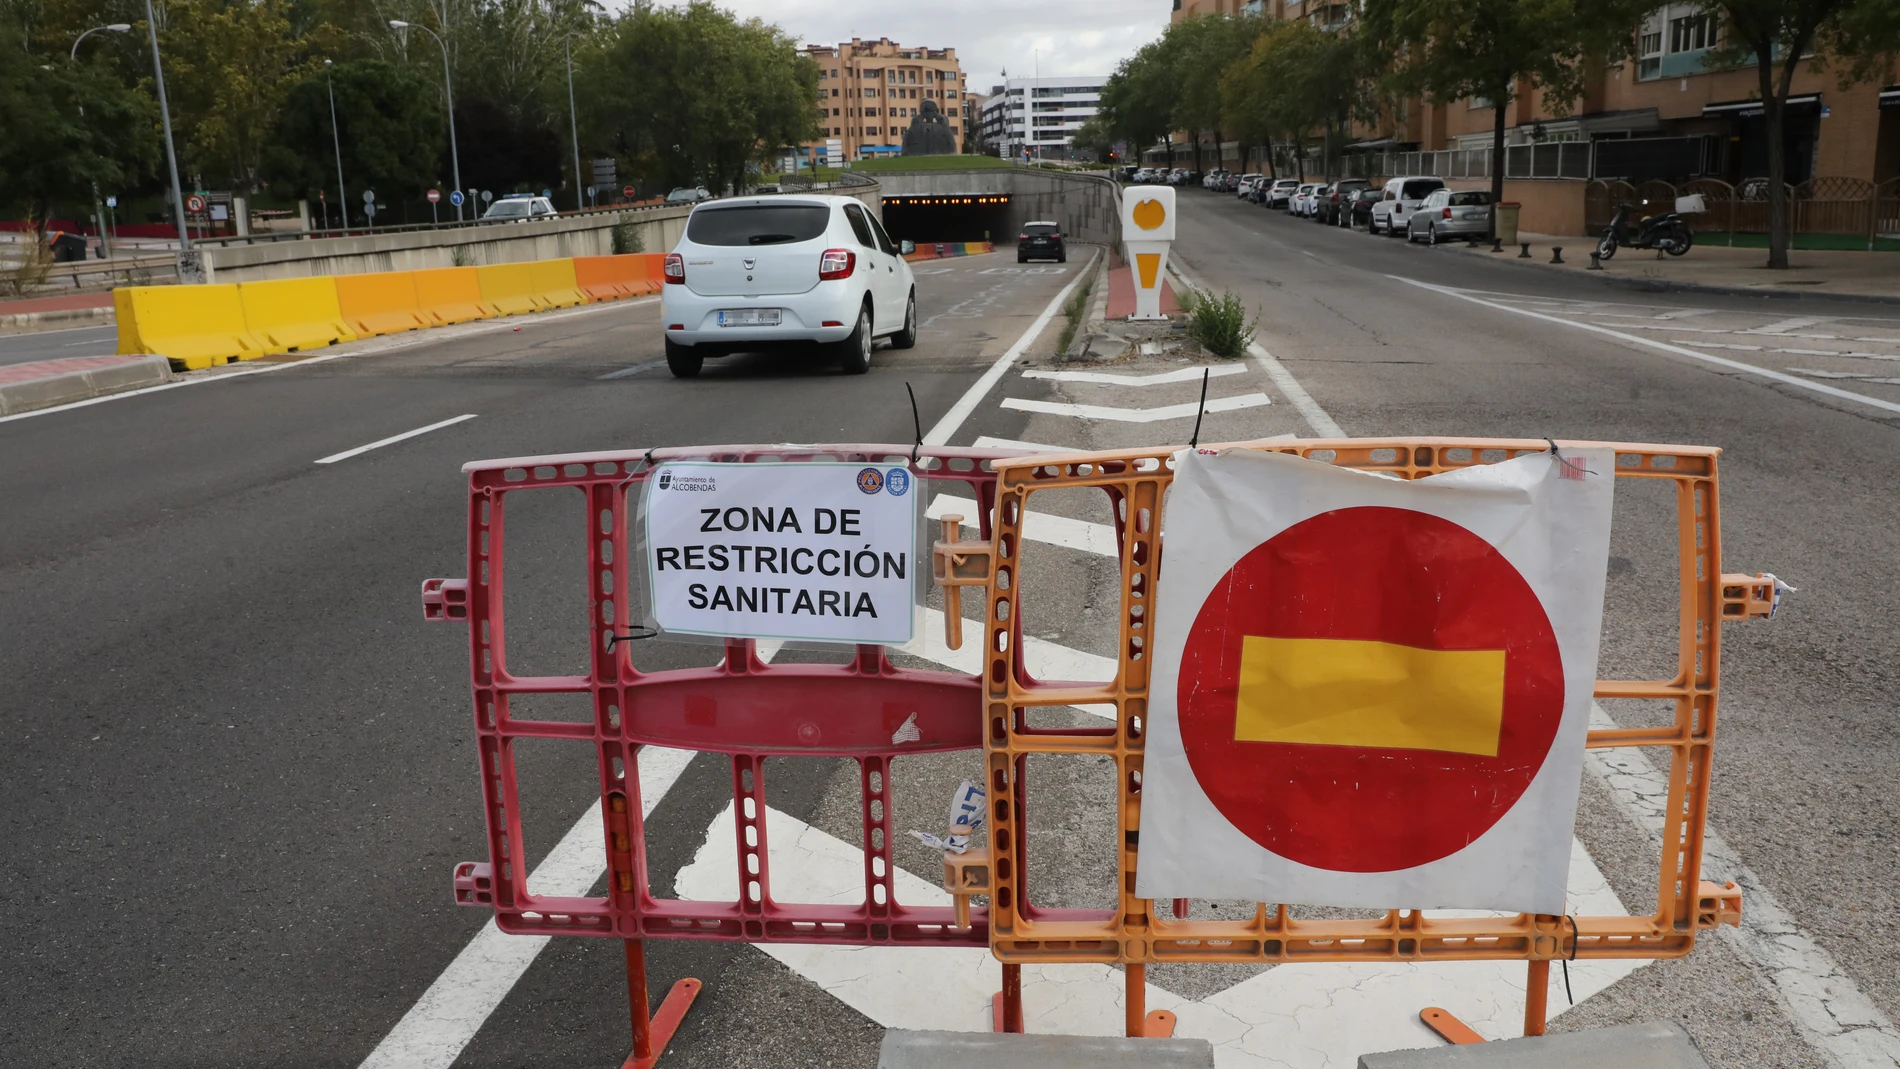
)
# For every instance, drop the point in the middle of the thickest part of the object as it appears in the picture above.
(1300, 1016)
(625, 371)
(1302, 401)
(1824, 1003)
(1785, 325)
(1096, 538)
(1708, 358)
(1841, 375)
(1186, 374)
(441, 1023)
(953, 419)
(393, 439)
(1138, 415)
(986, 442)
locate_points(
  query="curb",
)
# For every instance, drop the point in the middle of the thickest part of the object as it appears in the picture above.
(1665, 285)
(30, 322)
(18, 397)
(1094, 323)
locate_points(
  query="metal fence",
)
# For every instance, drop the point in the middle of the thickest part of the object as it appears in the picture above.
(1848, 207)
(1619, 158)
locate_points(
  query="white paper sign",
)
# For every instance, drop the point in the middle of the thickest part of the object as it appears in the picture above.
(823, 552)
(1371, 692)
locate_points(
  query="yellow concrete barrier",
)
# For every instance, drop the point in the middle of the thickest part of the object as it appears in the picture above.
(509, 288)
(383, 302)
(193, 326)
(293, 314)
(554, 283)
(450, 295)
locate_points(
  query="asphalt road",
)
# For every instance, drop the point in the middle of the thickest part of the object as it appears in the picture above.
(242, 770)
(53, 344)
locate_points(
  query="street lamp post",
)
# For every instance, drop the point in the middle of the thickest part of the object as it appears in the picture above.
(171, 153)
(105, 238)
(573, 124)
(336, 140)
(448, 90)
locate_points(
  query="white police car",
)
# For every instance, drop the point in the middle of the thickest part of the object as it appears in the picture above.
(755, 273)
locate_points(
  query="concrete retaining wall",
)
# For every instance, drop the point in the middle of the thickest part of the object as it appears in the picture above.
(474, 246)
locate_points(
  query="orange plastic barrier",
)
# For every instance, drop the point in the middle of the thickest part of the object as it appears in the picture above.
(509, 288)
(450, 295)
(383, 302)
(554, 284)
(607, 278)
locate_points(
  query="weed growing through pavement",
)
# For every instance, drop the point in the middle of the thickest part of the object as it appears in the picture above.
(1218, 323)
(626, 237)
(1075, 311)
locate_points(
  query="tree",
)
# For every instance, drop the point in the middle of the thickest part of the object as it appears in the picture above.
(1138, 100)
(1298, 78)
(1494, 50)
(388, 123)
(69, 128)
(1777, 36)
(1205, 47)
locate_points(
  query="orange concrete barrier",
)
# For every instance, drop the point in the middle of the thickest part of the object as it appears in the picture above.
(508, 288)
(554, 283)
(656, 270)
(606, 278)
(383, 302)
(450, 295)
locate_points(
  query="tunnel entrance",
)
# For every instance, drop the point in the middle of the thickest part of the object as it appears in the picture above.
(957, 217)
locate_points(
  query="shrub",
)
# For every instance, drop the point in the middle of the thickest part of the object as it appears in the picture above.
(626, 237)
(1219, 323)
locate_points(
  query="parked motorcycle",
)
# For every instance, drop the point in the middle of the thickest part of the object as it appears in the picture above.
(1664, 230)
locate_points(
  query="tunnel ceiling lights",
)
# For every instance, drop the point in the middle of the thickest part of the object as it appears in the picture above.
(917, 201)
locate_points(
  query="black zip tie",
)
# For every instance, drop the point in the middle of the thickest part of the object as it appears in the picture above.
(640, 633)
(1194, 440)
(917, 425)
(1575, 936)
(1558, 457)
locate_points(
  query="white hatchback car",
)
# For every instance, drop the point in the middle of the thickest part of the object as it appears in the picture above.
(756, 273)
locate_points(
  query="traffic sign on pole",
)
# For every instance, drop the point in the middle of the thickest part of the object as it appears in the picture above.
(455, 197)
(369, 196)
(195, 203)
(435, 195)
(1372, 692)
(628, 191)
(112, 202)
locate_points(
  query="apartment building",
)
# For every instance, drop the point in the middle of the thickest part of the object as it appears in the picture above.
(868, 92)
(1039, 115)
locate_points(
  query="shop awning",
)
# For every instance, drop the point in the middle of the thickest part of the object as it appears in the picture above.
(1890, 97)
(1746, 109)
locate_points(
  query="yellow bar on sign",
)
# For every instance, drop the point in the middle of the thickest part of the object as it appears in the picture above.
(1352, 692)
(1148, 263)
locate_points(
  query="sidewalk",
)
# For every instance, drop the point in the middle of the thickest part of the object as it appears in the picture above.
(1869, 276)
(44, 383)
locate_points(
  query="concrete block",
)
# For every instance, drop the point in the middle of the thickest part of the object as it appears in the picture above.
(151, 371)
(1653, 1045)
(50, 390)
(904, 1049)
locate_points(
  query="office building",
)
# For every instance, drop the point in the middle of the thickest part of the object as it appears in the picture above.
(1039, 116)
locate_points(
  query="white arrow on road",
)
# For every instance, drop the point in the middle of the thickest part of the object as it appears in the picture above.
(1138, 415)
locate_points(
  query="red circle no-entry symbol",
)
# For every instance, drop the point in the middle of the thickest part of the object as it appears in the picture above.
(1370, 689)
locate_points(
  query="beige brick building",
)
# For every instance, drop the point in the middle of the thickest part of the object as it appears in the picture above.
(868, 91)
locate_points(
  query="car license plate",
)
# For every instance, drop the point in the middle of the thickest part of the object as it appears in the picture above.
(749, 317)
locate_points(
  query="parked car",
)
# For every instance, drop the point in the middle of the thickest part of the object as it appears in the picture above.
(1315, 201)
(1296, 204)
(1245, 185)
(685, 195)
(1401, 197)
(518, 207)
(1361, 207)
(1281, 191)
(794, 269)
(1041, 240)
(1334, 209)
(1448, 213)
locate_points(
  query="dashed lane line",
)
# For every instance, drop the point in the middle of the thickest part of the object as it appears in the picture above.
(394, 438)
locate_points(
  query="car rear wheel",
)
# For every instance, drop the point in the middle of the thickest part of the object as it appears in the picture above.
(682, 360)
(906, 338)
(854, 353)
(1062, 257)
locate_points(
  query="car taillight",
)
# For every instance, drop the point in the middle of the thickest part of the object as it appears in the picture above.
(675, 268)
(836, 264)
(1022, 237)
(1447, 213)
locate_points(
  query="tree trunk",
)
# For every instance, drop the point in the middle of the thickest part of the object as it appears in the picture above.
(1773, 114)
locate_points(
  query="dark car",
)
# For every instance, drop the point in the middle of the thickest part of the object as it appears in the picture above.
(1041, 240)
(1333, 210)
(1362, 202)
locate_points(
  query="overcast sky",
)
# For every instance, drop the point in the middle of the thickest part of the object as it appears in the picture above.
(990, 36)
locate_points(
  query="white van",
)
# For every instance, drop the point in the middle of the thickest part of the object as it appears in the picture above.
(1402, 196)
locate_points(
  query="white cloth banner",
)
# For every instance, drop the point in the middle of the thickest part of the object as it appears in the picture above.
(1373, 692)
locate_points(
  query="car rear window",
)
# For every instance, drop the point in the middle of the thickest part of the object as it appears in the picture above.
(774, 224)
(1420, 189)
(1040, 229)
(1469, 199)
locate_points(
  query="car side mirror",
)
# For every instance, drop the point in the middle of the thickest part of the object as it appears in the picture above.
(906, 247)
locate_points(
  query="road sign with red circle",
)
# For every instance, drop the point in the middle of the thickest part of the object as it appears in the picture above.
(1369, 777)
(628, 191)
(194, 203)
(435, 195)
(1370, 691)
